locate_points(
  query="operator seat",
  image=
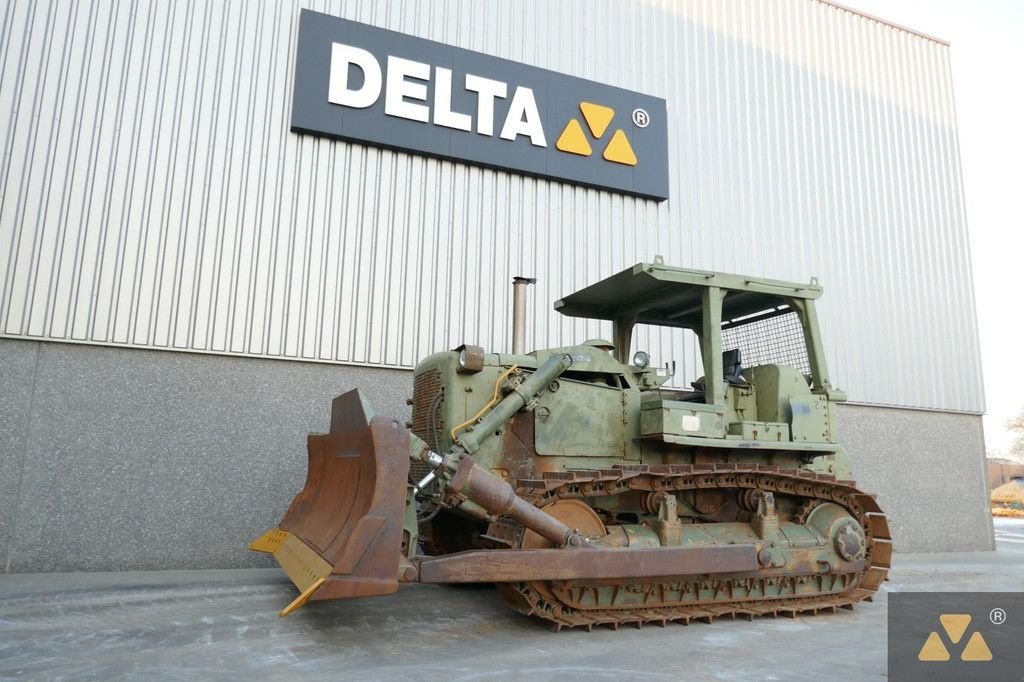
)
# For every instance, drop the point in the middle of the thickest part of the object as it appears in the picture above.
(732, 370)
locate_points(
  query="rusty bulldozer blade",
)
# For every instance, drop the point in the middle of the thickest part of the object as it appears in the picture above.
(342, 535)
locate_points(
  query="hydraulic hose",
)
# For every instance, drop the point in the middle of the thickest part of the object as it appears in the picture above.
(471, 439)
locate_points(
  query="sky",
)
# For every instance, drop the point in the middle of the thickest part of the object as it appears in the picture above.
(986, 40)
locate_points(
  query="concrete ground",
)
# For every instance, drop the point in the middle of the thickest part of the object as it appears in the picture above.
(224, 625)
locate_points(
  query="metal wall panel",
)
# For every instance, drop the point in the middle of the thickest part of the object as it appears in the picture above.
(152, 194)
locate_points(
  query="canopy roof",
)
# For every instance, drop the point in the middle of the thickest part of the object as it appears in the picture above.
(671, 297)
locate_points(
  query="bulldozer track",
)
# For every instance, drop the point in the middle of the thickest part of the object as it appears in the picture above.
(701, 597)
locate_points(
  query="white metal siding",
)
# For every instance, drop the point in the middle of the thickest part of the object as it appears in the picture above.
(152, 194)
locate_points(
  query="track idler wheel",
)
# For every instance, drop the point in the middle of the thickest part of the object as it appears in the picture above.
(576, 514)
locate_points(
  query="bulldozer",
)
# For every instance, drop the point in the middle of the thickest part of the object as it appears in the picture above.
(591, 490)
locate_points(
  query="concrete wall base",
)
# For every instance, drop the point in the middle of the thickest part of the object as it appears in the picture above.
(127, 459)
(928, 470)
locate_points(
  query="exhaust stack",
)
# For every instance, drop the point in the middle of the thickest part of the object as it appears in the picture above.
(519, 285)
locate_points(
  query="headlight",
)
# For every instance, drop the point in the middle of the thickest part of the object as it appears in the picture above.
(641, 359)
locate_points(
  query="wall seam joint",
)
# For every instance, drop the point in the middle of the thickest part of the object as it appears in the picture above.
(24, 458)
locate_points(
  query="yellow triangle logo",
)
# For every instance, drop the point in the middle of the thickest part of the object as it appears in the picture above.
(573, 140)
(619, 150)
(976, 649)
(955, 625)
(597, 117)
(933, 649)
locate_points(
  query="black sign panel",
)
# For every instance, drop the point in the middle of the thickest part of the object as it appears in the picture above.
(366, 84)
(938, 636)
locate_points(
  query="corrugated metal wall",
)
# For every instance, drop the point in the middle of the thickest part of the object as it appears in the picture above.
(154, 196)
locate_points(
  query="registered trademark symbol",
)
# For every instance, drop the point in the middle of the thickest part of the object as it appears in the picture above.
(997, 616)
(641, 119)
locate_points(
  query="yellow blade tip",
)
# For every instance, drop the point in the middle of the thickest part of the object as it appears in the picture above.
(269, 541)
(301, 600)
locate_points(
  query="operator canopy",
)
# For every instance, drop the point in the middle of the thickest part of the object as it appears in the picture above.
(671, 297)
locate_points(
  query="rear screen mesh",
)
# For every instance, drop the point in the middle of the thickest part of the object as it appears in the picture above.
(775, 340)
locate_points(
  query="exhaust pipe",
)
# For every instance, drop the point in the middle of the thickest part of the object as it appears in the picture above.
(519, 285)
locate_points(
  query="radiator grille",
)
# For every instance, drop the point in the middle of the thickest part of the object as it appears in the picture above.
(427, 412)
